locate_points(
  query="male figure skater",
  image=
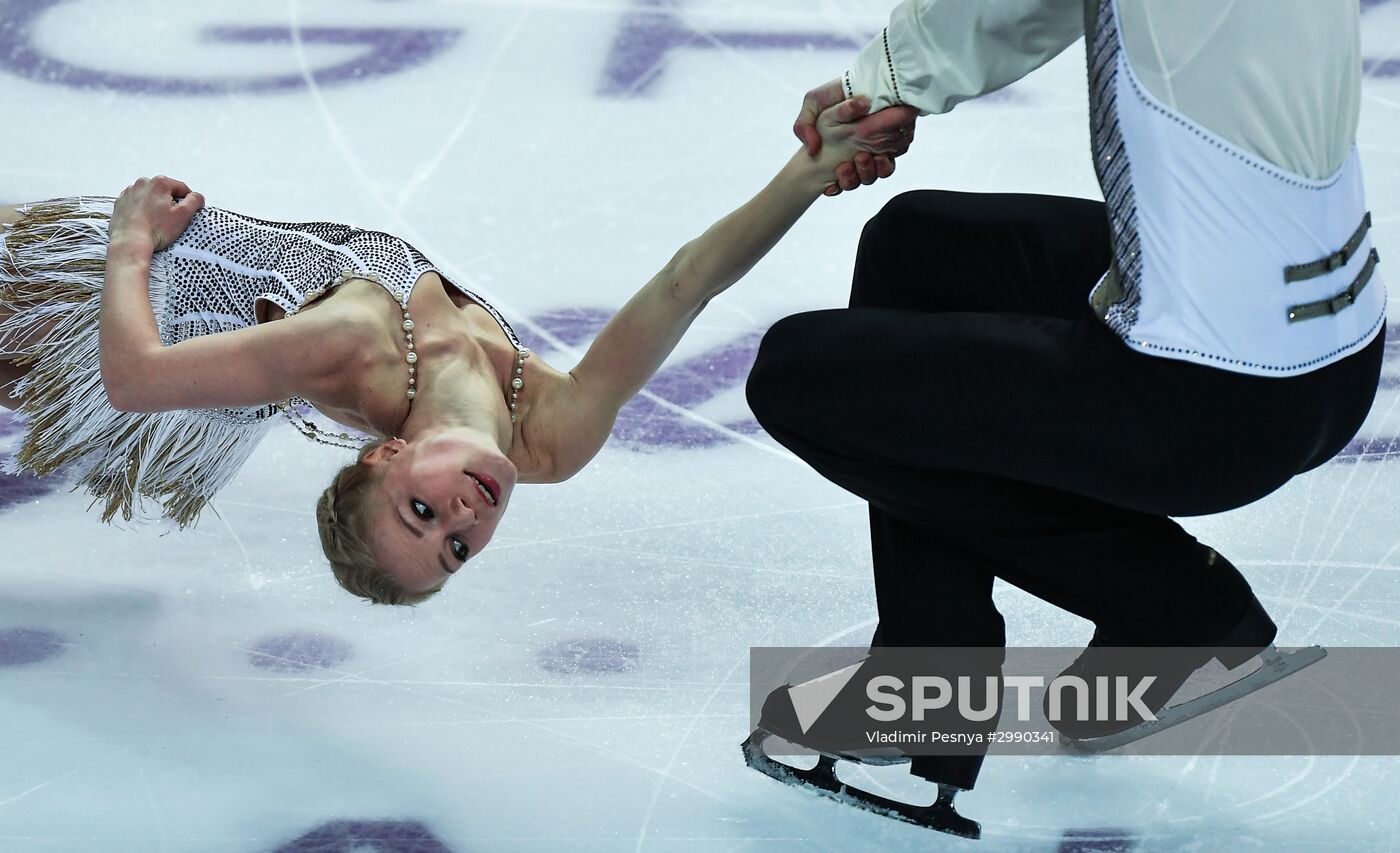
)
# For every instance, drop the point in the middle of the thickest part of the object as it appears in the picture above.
(1027, 387)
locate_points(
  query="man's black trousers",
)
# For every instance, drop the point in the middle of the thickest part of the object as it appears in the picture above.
(998, 429)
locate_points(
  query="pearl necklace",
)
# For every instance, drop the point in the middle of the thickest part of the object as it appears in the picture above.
(311, 431)
(517, 382)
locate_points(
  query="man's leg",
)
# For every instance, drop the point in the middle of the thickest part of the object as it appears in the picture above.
(937, 251)
(933, 594)
(970, 351)
(968, 382)
(1013, 439)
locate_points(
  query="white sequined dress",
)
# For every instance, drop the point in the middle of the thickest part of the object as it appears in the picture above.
(51, 268)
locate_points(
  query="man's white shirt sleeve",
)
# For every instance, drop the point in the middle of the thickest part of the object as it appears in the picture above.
(1279, 78)
(937, 53)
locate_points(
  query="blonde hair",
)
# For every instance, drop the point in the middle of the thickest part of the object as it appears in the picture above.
(341, 518)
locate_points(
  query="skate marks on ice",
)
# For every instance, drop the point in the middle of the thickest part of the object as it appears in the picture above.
(1204, 804)
(1331, 577)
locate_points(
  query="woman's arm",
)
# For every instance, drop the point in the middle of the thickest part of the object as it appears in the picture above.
(244, 367)
(634, 343)
(126, 326)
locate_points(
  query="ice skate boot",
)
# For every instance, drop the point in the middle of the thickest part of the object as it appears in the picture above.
(1115, 680)
(781, 719)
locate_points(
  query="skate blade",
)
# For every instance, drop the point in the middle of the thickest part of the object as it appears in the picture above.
(1276, 666)
(822, 780)
(884, 757)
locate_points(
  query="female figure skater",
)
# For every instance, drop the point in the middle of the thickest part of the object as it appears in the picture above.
(151, 342)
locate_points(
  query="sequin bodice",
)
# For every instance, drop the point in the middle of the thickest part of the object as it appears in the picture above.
(225, 262)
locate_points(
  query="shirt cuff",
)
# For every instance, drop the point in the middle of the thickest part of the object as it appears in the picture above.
(873, 75)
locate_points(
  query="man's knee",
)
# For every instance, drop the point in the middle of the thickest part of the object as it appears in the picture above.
(917, 214)
(892, 226)
(772, 368)
(777, 384)
(902, 230)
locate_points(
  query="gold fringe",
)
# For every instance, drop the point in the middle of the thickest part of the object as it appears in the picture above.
(51, 275)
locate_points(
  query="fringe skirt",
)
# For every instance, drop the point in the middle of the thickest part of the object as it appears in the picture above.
(52, 265)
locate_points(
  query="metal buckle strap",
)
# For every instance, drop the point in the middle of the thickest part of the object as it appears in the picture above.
(1327, 307)
(1336, 260)
(1108, 292)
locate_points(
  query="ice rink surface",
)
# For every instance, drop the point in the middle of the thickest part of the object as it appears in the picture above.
(584, 685)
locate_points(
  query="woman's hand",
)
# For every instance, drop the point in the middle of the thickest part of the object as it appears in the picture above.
(153, 212)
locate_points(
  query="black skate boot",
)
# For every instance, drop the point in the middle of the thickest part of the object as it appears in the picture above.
(1105, 667)
(780, 719)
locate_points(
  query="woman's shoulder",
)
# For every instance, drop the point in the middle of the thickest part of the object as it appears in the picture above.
(564, 428)
(342, 322)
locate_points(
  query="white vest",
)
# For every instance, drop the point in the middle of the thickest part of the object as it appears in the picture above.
(1222, 258)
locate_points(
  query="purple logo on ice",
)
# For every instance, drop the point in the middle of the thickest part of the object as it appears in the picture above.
(367, 836)
(296, 651)
(1388, 66)
(383, 51)
(10, 424)
(16, 489)
(589, 655)
(20, 646)
(653, 28)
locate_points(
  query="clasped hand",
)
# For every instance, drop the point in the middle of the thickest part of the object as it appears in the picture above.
(156, 209)
(866, 144)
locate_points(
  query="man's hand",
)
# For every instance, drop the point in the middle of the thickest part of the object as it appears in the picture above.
(882, 137)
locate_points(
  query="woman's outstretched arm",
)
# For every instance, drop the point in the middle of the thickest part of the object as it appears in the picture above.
(634, 343)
